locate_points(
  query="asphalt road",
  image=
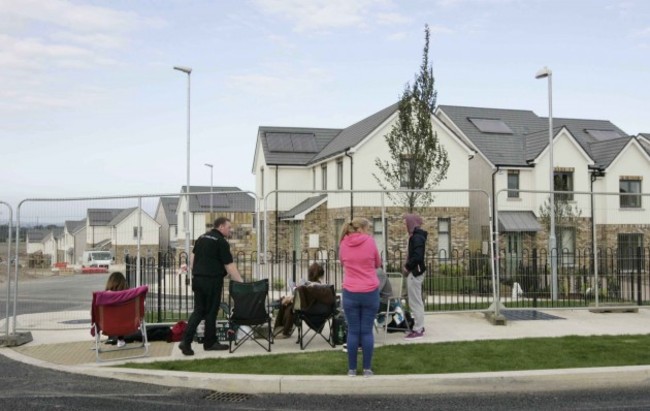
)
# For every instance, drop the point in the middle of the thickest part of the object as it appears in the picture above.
(57, 293)
(25, 387)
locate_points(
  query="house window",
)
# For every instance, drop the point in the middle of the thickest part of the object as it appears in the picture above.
(323, 171)
(339, 175)
(135, 232)
(630, 185)
(444, 238)
(176, 230)
(407, 172)
(313, 179)
(262, 178)
(563, 181)
(628, 252)
(513, 183)
(566, 246)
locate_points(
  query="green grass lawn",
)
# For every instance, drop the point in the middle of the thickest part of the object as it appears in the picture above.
(439, 358)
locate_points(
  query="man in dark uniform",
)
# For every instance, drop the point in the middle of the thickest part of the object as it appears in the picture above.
(211, 262)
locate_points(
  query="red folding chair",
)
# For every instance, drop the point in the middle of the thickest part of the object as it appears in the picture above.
(119, 313)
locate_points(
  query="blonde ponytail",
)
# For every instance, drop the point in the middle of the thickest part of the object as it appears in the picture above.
(356, 225)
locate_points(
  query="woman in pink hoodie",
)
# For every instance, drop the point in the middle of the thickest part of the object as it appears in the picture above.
(360, 259)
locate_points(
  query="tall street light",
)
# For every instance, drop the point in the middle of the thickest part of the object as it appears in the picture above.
(211, 170)
(547, 73)
(186, 219)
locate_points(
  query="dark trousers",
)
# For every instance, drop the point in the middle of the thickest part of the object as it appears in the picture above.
(284, 320)
(207, 298)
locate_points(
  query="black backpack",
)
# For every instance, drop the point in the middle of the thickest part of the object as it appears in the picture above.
(394, 328)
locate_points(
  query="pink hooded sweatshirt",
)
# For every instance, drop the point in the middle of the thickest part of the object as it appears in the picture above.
(360, 260)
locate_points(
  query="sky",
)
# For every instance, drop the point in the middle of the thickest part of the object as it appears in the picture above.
(90, 104)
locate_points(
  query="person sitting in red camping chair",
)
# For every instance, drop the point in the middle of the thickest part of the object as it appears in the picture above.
(119, 313)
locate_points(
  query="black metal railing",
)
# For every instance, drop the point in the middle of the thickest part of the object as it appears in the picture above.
(459, 280)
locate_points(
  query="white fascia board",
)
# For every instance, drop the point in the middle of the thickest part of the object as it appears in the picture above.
(564, 132)
(464, 140)
(257, 146)
(621, 153)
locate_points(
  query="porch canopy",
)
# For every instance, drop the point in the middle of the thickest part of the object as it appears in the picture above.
(300, 211)
(518, 221)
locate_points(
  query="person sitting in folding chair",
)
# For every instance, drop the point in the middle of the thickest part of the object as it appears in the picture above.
(314, 308)
(116, 282)
(119, 313)
(284, 322)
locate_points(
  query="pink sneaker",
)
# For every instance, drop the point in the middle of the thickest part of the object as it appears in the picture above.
(414, 335)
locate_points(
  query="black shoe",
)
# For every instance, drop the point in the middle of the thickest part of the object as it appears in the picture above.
(186, 349)
(216, 347)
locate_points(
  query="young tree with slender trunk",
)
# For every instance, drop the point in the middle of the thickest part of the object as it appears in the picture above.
(417, 159)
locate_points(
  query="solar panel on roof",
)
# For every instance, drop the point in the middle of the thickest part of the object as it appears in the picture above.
(304, 143)
(491, 125)
(291, 142)
(603, 134)
(279, 142)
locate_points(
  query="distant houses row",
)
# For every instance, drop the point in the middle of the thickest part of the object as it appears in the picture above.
(116, 229)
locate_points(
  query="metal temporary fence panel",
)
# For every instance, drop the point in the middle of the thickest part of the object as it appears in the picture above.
(60, 260)
(6, 268)
(600, 254)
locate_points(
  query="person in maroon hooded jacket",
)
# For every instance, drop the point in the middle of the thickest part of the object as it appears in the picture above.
(414, 269)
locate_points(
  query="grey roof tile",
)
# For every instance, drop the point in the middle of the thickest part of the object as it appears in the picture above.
(72, 226)
(122, 215)
(224, 199)
(36, 234)
(578, 128)
(530, 134)
(501, 149)
(351, 136)
(169, 206)
(645, 144)
(606, 151)
(102, 216)
(303, 206)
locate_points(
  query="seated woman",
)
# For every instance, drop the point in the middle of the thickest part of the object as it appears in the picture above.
(117, 282)
(284, 323)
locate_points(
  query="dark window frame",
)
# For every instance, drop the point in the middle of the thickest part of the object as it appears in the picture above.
(563, 181)
(514, 174)
(629, 201)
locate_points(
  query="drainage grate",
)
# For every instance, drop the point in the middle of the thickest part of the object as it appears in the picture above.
(81, 321)
(527, 315)
(228, 396)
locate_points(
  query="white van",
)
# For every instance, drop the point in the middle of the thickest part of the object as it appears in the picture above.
(97, 259)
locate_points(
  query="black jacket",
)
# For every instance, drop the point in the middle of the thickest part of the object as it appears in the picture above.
(415, 262)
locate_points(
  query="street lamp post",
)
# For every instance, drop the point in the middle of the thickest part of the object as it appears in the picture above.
(547, 73)
(186, 219)
(211, 185)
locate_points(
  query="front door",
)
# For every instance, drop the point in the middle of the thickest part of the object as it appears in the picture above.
(514, 245)
(297, 237)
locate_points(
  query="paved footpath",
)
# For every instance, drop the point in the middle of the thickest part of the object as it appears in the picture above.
(70, 350)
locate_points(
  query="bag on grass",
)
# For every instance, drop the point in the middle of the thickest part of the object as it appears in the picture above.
(340, 327)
